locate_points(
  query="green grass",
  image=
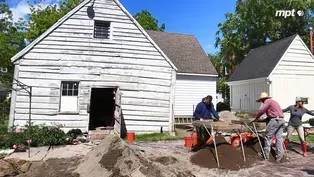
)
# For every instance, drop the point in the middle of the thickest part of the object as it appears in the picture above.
(153, 137)
(309, 139)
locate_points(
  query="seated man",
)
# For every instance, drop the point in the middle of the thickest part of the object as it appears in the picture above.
(205, 109)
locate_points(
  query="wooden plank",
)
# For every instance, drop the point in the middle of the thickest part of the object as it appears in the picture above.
(146, 95)
(145, 108)
(96, 48)
(100, 53)
(151, 128)
(36, 111)
(43, 83)
(74, 124)
(46, 43)
(36, 91)
(38, 59)
(45, 106)
(149, 123)
(145, 102)
(48, 118)
(150, 115)
(36, 99)
(88, 40)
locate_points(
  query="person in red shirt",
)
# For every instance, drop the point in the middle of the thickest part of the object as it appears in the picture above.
(275, 124)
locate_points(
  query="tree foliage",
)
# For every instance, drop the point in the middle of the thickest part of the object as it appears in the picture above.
(11, 41)
(40, 19)
(254, 24)
(148, 22)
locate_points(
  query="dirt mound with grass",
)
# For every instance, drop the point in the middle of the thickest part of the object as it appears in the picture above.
(113, 158)
(230, 158)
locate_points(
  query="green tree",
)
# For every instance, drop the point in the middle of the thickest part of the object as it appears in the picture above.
(11, 41)
(254, 24)
(40, 19)
(148, 22)
(222, 87)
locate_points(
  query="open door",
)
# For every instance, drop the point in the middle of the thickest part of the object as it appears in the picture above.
(117, 112)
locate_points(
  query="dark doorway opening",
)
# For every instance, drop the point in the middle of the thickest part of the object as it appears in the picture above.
(102, 106)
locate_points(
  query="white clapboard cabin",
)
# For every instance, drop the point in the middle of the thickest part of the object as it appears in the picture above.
(96, 67)
(284, 69)
(196, 76)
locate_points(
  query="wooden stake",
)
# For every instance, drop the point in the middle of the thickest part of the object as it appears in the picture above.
(242, 145)
(259, 141)
(214, 139)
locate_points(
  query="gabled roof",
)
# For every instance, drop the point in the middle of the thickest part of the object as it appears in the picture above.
(184, 51)
(73, 11)
(260, 62)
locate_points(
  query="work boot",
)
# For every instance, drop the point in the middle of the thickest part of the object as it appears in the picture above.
(286, 143)
(304, 148)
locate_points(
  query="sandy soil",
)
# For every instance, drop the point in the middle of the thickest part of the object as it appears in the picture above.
(115, 158)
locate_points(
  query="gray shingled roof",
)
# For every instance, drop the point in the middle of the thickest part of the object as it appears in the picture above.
(261, 61)
(184, 51)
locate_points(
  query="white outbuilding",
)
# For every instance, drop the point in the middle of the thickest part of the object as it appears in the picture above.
(284, 69)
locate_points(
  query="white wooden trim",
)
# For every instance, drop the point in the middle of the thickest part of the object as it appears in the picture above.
(263, 79)
(195, 74)
(13, 98)
(53, 27)
(172, 101)
(274, 69)
(145, 34)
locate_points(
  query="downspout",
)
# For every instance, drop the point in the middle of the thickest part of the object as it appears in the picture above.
(270, 87)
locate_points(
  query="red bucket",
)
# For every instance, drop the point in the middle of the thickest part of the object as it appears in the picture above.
(194, 137)
(188, 142)
(131, 137)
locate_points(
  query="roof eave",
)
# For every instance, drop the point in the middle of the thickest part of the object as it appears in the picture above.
(196, 74)
(256, 80)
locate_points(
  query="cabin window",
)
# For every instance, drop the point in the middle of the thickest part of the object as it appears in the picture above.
(69, 96)
(102, 29)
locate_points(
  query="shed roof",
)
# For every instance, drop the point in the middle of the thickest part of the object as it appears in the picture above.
(261, 61)
(184, 51)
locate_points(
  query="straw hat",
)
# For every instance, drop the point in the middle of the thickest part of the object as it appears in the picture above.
(263, 95)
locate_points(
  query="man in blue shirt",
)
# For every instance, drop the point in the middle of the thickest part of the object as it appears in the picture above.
(205, 110)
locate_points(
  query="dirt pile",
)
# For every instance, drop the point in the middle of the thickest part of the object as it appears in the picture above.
(227, 115)
(229, 158)
(56, 167)
(114, 158)
(13, 167)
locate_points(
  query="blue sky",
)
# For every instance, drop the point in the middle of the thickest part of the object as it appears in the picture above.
(198, 17)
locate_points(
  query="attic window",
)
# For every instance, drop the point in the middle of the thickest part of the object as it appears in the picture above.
(102, 30)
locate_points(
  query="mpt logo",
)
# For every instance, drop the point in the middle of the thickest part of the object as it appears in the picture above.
(288, 13)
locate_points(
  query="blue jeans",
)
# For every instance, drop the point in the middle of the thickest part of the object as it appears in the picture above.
(274, 128)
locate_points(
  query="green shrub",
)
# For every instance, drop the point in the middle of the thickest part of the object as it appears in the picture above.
(40, 135)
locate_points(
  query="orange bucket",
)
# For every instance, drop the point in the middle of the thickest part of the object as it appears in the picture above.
(131, 137)
(188, 141)
(194, 137)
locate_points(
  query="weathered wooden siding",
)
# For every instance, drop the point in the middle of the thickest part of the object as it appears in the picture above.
(189, 92)
(70, 53)
(293, 77)
(244, 96)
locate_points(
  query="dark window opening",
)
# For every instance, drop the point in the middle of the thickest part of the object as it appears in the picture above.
(102, 30)
(69, 88)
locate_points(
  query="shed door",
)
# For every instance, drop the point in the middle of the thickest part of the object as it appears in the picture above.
(117, 112)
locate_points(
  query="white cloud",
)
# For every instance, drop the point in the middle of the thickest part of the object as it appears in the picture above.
(22, 8)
